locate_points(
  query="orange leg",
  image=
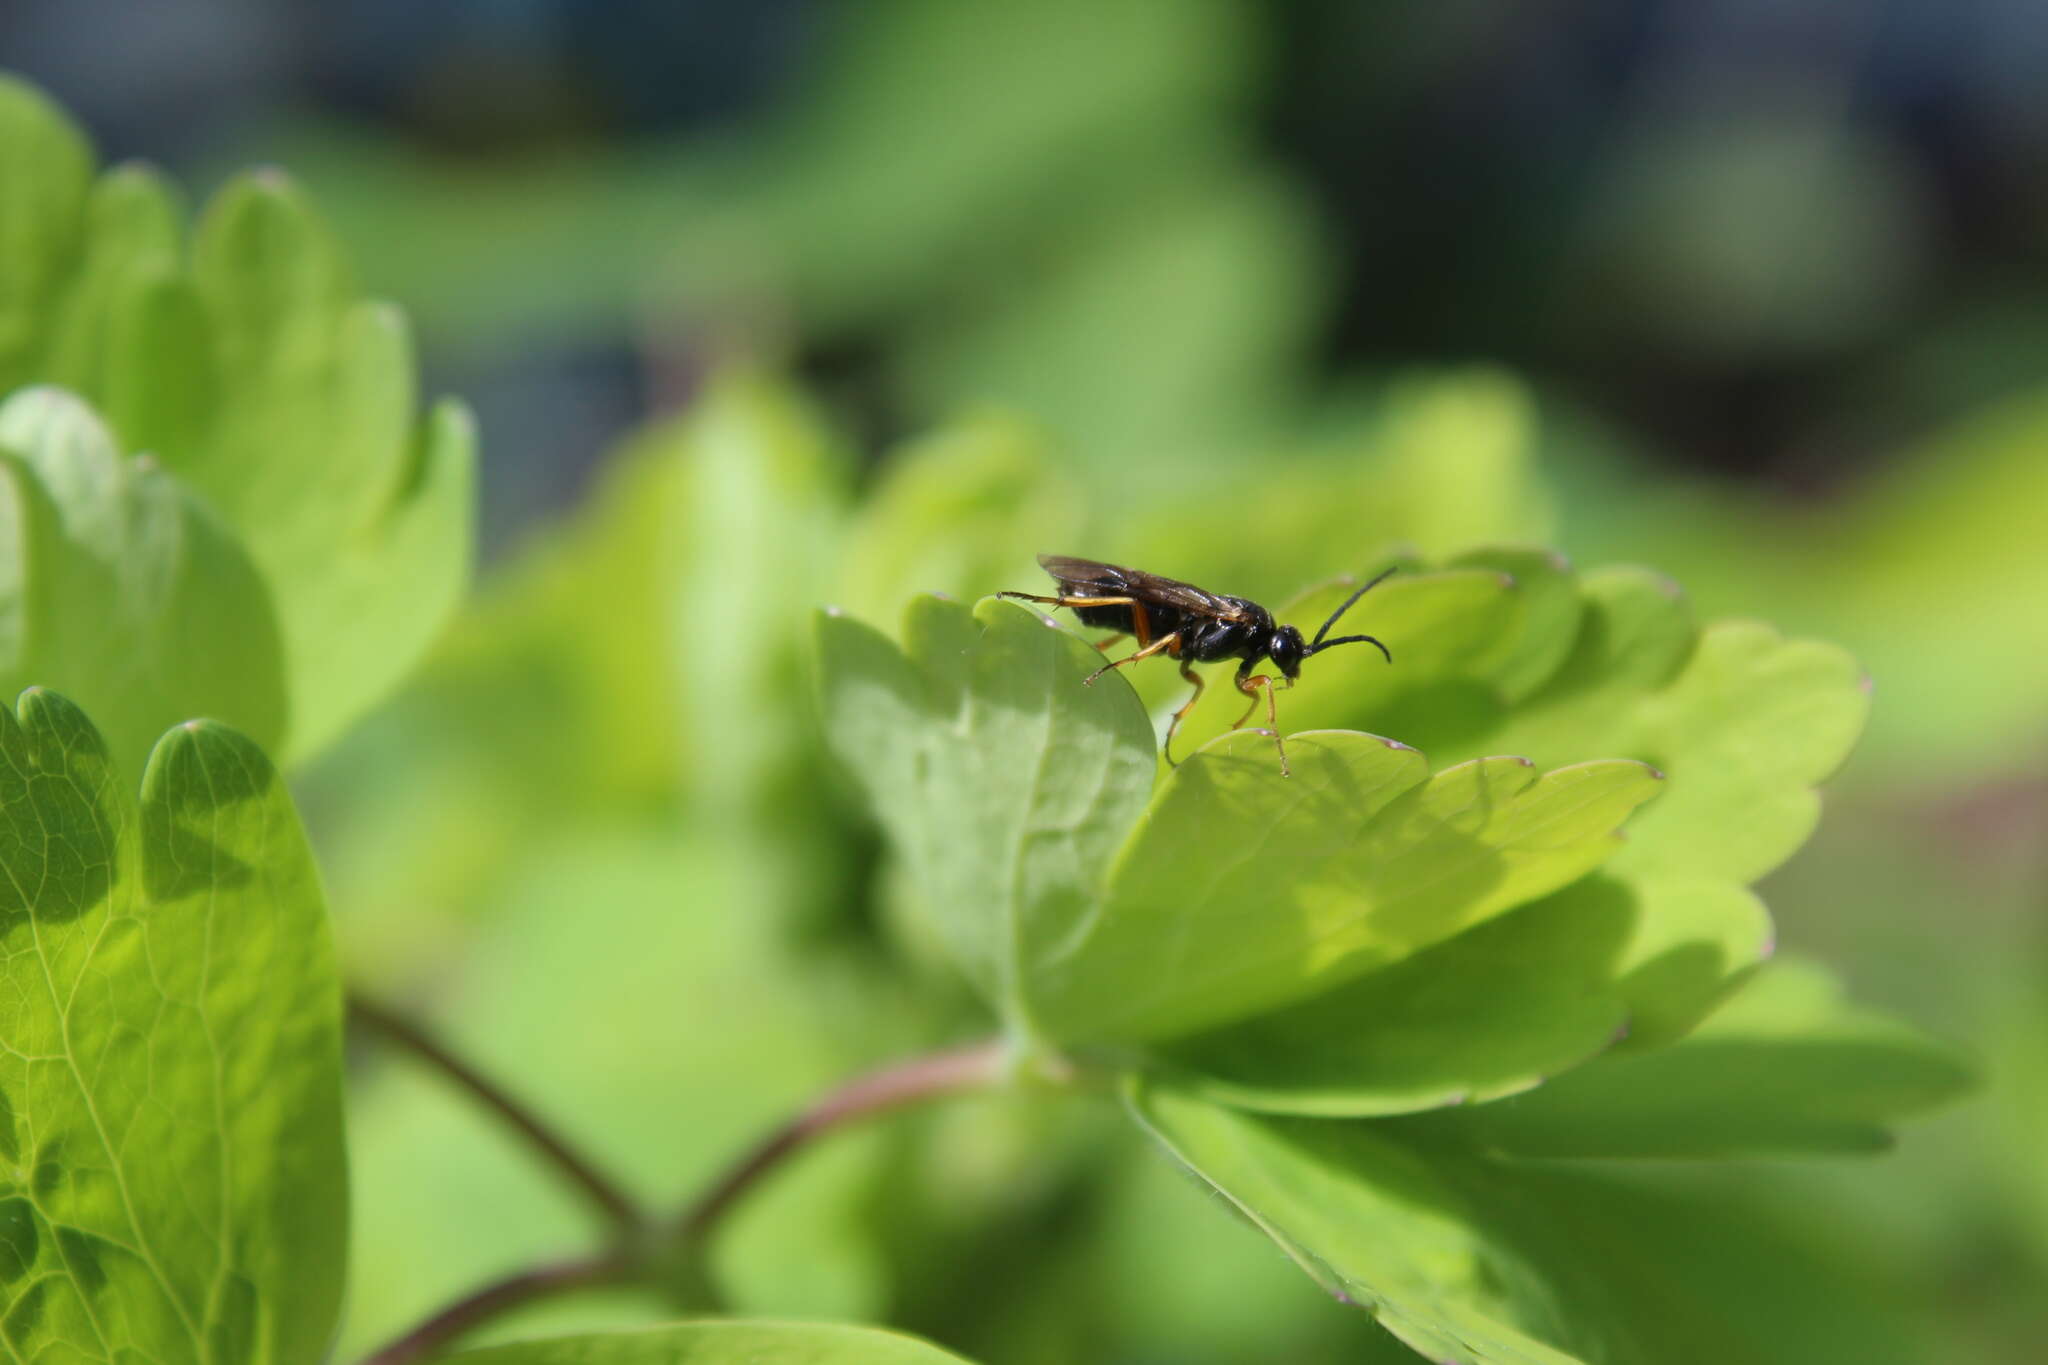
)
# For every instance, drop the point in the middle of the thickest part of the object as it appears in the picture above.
(1164, 642)
(1251, 685)
(1141, 626)
(1185, 707)
(1072, 601)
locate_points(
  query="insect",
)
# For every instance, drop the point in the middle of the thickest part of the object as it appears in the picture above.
(1193, 625)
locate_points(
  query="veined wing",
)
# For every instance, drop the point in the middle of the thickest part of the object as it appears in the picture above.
(1113, 580)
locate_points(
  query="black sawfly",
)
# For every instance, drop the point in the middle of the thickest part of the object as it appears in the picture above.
(1194, 626)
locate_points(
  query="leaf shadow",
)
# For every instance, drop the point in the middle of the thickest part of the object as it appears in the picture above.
(59, 835)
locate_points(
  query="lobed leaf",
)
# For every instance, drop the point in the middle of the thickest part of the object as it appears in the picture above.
(170, 1055)
(256, 375)
(1487, 1013)
(1505, 652)
(120, 588)
(1004, 782)
(1242, 891)
(716, 1342)
(1786, 1066)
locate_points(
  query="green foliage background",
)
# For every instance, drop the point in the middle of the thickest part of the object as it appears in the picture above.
(598, 839)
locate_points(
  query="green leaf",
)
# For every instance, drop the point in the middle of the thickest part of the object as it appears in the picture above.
(633, 935)
(1643, 1262)
(1459, 636)
(1244, 891)
(1485, 1263)
(1786, 1066)
(118, 587)
(963, 510)
(762, 492)
(1456, 454)
(45, 176)
(1004, 782)
(1161, 335)
(1368, 1220)
(1742, 722)
(1490, 1012)
(171, 1068)
(731, 1342)
(358, 513)
(258, 377)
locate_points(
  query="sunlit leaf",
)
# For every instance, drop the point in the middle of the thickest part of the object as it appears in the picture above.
(120, 588)
(1244, 890)
(1004, 781)
(171, 1068)
(255, 373)
(1492, 1011)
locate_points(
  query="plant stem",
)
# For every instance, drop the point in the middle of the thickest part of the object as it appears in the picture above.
(500, 1297)
(617, 1210)
(901, 1083)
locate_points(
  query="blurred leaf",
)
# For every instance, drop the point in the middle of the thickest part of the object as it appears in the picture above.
(758, 530)
(715, 1342)
(1758, 232)
(601, 943)
(1182, 1284)
(1006, 784)
(1924, 569)
(1455, 454)
(1441, 462)
(960, 512)
(1480, 1263)
(172, 1059)
(123, 590)
(1492, 1011)
(256, 375)
(45, 178)
(1787, 1065)
(1242, 890)
(359, 514)
(914, 160)
(1159, 340)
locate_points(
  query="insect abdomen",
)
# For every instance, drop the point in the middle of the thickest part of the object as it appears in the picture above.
(1161, 620)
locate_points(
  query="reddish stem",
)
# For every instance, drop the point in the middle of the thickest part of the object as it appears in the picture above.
(920, 1078)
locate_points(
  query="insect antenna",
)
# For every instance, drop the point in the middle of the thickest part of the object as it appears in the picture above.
(1352, 640)
(1318, 644)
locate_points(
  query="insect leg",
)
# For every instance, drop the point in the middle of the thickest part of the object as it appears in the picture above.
(1141, 625)
(1071, 601)
(1250, 685)
(1164, 642)
(1185, 707)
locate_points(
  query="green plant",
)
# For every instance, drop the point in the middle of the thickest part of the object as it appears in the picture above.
(1414, 1010)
